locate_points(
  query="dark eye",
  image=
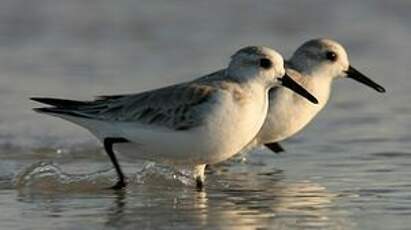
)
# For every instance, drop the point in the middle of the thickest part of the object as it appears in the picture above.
(265, 63)
(331, 56)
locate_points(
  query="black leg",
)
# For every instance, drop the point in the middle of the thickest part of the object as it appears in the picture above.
(275, 147)
(108, 146)
(199, 183)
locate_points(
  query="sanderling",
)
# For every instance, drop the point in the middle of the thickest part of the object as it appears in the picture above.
(189, 124)
(314, 65)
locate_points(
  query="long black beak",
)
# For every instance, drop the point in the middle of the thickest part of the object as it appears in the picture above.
(356, 75)
(288, 82)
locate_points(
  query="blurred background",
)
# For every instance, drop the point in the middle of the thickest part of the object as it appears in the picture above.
(79, 49)
(360, 144)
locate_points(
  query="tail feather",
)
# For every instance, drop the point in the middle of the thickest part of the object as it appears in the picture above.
(59, 103)
(72, 111)
(61, 106)
(57, 111)
(43, 110)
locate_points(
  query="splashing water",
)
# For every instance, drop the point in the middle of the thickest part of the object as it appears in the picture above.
(47, 176)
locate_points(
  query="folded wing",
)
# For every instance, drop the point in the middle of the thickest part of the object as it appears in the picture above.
(175, 107)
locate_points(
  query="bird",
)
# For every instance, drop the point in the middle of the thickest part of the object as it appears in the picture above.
(186, 125)
(314, 65)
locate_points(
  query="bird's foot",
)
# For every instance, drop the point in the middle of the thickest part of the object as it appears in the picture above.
(199, 183)
(199, 176)
(119, 185)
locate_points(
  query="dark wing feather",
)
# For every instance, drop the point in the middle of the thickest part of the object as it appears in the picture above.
(176, 107)
(58, 102)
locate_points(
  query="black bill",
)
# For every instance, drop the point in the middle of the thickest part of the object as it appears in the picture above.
(356, 75)
(288, 82)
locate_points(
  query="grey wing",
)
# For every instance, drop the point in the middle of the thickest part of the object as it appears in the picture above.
(176, 107)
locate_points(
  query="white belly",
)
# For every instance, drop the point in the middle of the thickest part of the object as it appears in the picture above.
(230, 127)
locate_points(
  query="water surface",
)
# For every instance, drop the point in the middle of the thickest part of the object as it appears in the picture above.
(349, 169)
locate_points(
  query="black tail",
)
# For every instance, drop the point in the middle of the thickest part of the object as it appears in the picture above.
(56, 110)
(61, 106)
(44, 110)
(59, 103)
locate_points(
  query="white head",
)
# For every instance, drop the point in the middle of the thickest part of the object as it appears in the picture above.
(327, 59)
(265, 65)
(263, 62)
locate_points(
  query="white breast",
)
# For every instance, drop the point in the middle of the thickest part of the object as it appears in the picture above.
(229, 128)
(289, 113)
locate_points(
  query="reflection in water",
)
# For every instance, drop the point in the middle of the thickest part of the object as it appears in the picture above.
(270, 200)
(117, 210)
(288, 205)
(231, 200)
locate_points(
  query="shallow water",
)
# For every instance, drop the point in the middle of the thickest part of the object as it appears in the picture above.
(349, 169)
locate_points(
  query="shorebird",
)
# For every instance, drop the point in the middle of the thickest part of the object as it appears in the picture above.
(314, 65)
(186, 125)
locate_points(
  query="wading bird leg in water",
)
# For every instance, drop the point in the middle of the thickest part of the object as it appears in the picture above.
(275, 147)
(108, 146)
